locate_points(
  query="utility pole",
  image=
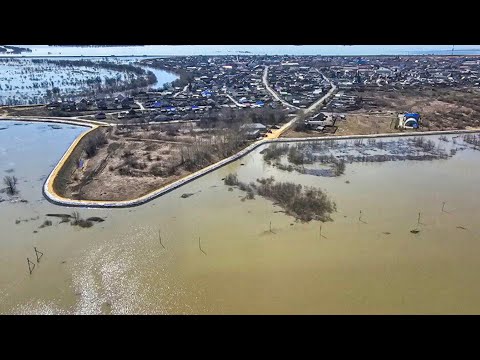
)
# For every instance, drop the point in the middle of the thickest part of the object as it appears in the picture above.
(200, 246)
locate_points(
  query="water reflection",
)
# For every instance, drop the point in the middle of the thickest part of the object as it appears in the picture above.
(351, 266)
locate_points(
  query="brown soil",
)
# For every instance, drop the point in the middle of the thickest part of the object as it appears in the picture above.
(134, 162)
(110, 184)
(354, 124)
(440, 109)
(363, 124)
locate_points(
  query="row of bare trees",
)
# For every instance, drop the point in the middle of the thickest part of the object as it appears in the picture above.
(204, 151)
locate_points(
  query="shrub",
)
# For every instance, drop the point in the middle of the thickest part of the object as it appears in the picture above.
(78, 221)
(150, 147)
(84, 223)
(288, 168)
(171, 170)
(46, 223)
(113, 147)
(231, 180)
(157, 170)
(274, 152)
(305, 204)
(125, 171)
(127, 154)
(134, 163)
(75, 217)
(339, 167)
(93, 143)
(295, 156)
(172, 130)
(244, 187)
(426, 145)
(266, 181)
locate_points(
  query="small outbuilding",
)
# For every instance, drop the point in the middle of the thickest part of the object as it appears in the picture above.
(100, 116)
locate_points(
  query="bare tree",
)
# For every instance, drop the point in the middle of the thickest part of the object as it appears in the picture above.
(301, 115)
(11, 183)
(94, 143)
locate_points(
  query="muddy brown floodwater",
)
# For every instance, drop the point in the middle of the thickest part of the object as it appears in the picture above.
(121, 266)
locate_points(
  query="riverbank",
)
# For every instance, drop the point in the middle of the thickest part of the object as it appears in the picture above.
(67, 121)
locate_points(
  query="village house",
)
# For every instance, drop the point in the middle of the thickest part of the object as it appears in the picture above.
(254, 130)
(100, 116)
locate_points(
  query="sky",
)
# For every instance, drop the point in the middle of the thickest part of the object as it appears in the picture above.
(45, 50)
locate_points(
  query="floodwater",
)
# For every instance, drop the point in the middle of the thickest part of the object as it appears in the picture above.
(24, 82)
(217, 254)
(163, 77)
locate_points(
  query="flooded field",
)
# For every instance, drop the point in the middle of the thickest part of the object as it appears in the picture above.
(25, 81)
(211, 252)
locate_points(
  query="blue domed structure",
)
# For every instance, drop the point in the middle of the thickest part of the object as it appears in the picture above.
(411, 121)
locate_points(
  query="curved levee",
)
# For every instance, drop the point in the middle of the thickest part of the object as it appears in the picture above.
(52, 196)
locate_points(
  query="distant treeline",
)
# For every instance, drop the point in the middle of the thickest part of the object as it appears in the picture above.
(89, 63)
(94, 45)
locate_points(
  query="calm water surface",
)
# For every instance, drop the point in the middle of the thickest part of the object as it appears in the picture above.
(119, 266)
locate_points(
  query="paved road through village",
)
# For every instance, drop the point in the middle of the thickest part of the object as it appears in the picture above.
(277, 133)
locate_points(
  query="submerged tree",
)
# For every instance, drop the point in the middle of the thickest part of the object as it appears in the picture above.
(339, 168)
(56, 91)
(11, 183)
